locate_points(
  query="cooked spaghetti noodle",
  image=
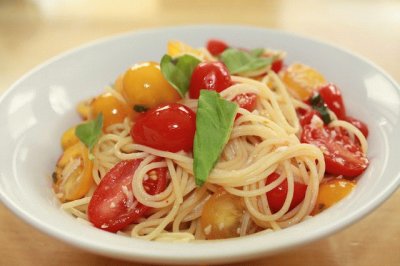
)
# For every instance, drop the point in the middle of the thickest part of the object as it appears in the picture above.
(262, 142)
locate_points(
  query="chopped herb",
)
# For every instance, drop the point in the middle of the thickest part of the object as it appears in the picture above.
(238, 61)
(318, 104)
(140, 108)
(178, 71)
(214, 122)
(90, 132)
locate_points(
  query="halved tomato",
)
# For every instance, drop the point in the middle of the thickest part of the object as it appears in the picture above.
(73, 174)
(113, 205)
(342, 156)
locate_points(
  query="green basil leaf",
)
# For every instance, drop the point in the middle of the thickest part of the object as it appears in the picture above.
(318, 104)
(238, 61)
(214, 122)
(178, 71)
(257, 52)
(90, 132)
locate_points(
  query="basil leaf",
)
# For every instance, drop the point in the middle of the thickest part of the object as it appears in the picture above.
(257, 52)
(89, 132)
(318, 104)
(238, 61)
(179, 71)
(214, 122)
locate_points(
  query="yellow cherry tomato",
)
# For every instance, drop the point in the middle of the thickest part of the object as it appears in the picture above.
(83, 109)
(331, 192)
(301, 80)
(73, 174)
(118, 84)
(221, 216)
(177, 48)
(114, 111)
(69, 138)
(145, 87)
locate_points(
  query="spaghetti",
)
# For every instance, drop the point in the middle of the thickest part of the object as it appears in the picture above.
(263, 142)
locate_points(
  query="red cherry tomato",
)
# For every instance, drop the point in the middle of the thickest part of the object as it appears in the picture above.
(333, 99)
(276, 197)
(169, 127)
(277, 65)
(342, 156)
(216, 47)
(246, 101)
(209, 76)
(358, 124)
(305, 117)
(110, 208)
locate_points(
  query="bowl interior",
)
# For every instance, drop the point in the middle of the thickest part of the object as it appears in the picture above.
(41, 105)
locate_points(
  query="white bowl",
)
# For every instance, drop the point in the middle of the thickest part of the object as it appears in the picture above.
(41, 105)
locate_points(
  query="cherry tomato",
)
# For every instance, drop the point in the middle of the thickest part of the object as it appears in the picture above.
(216, 47)
(110, 207)
(358, 124)
(169, 127)
(305, 117)
(73, 174)
(119, 83)
(247, 101)
(209, 76)
(277, 65)
(342, 156)
(333, 99)
(331, 192)
(113, 110)
(301, 80)
(69, 138)
(277, 196)
(144, 86)
(83, 109)
(221, 216)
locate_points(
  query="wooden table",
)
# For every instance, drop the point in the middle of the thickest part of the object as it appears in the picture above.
(33, 31)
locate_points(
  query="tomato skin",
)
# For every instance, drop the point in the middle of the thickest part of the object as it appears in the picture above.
(276, 197)
(358, 124)
(307, 116)
(246, 101)
(169, 127)
(301, 80)
(144, 85)
(113, 110)
(209, 76)
(108, 208)
(222, 215)
(342, 156)
(216, 47)
(69, 138)
(277, 65)
(331, 192)
(78, 182)
(333, 99)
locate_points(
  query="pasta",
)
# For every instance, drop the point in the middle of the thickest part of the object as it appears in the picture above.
(263, 142)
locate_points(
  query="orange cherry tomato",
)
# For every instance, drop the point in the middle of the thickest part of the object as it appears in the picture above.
(301, 80)
(144, 87)
(118, 84)
(73, 174)
(69, 138)
(331, 192)
(114, 111)
(222, 215)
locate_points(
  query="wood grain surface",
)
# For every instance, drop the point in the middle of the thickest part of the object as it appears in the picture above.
(36, 30)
